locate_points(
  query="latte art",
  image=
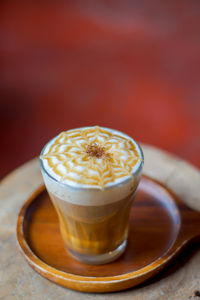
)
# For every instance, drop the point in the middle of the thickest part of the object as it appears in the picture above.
(92, 156)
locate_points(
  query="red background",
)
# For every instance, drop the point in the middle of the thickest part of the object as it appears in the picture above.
(129, 65)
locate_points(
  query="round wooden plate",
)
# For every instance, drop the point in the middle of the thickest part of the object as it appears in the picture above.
(160, 225)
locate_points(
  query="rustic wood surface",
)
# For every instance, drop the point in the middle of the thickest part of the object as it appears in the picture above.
(155, 225)
(18, 281)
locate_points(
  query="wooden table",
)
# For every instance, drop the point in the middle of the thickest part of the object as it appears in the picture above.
(18, 281)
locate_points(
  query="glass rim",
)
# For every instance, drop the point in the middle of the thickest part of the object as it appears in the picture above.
(89, 187)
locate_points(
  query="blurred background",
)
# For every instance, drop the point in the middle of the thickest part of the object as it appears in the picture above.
(129, 65)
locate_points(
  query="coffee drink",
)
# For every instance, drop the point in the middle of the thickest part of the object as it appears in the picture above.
(91, 174)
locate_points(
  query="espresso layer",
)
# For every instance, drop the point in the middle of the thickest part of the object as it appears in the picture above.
(89, 214)
(90, 230)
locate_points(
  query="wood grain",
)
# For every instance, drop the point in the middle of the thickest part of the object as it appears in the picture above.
(160, 225)
(178, 281)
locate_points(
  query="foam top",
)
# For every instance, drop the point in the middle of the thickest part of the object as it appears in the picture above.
(91, 157)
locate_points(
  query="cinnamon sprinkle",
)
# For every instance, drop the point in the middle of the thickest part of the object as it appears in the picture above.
(94, 150)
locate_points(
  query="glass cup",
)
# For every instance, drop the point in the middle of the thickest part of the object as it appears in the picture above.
(93, 222)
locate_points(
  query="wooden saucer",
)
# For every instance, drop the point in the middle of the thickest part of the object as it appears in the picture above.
(160, 225)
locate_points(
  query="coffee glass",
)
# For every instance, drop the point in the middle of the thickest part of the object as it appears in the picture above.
(93, 220)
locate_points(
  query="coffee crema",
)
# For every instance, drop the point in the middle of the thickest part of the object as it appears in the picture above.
(91, 156)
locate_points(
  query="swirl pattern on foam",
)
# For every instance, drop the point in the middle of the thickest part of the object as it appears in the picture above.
(92, 156)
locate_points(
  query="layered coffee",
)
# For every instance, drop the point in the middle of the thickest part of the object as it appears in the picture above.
(91, 174)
